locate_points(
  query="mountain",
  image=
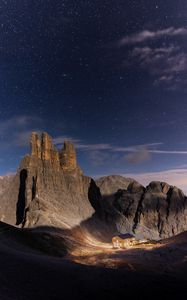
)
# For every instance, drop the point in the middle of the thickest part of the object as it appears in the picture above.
(58, 226)
(155, 212)
(50, 189)
(110, 184)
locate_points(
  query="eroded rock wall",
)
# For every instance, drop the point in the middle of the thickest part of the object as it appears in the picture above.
(48, 189)
(155, 212)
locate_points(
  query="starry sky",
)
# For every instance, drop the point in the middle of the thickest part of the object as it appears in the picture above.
(109, 75)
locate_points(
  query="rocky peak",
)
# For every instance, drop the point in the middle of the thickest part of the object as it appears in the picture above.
(155, 212)
(35, 145)
(48, 150)
(158, 187)
(49, 188)
(47, 147)
(43, 148)
(68, 157)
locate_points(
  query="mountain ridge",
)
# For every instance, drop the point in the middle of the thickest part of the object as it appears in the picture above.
(50, 188)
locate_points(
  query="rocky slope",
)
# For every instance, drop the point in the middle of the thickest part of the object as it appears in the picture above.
(50, 189)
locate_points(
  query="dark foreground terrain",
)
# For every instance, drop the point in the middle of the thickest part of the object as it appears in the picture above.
(43, 264)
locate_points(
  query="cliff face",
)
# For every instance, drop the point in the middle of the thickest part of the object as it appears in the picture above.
(4, 182)
(155, 212)
(43, 149)
(48, 189)
(6, 207)
(68, 160)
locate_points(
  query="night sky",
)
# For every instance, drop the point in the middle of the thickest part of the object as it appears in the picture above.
(111, 75)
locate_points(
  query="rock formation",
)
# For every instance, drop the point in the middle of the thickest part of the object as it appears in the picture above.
(68, 159)
(155, 212)
(50, 189)
(110, 184)
(35, 145)
(44, 149)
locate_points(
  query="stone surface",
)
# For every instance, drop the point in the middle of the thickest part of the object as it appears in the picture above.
(163, 210)
(8, 200)
(155, 212)
(49, 188)
(4, 182)
(110, 184)
(68, 157)
(35, 144)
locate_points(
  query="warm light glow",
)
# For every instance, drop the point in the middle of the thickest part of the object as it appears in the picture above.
(89, 250)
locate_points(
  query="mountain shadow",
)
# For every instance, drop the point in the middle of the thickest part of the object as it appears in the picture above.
(20, 207)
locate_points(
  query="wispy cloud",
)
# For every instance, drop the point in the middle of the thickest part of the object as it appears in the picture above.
(136, 148)
(146, 35)
(98, 158)
(134, 153)
(16, 130)
(139, 156)
(80, 145)
(168, 65)
(99, 154)
(17, 123)
(58, 141)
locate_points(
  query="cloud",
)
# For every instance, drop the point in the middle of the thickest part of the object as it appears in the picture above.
(136, 148)
(176, 177)
(138, 157)
(80, 145)
(58, 141)
(98, 158)
(146, 35)
(17, 123)
(167, 65)
(15, 132)
(168, 152)
(149, 147)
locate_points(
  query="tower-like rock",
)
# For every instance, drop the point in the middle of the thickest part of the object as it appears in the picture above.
(47, 147)
(68, 157)
(49, 188)
(35, 145)
(43, 148)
